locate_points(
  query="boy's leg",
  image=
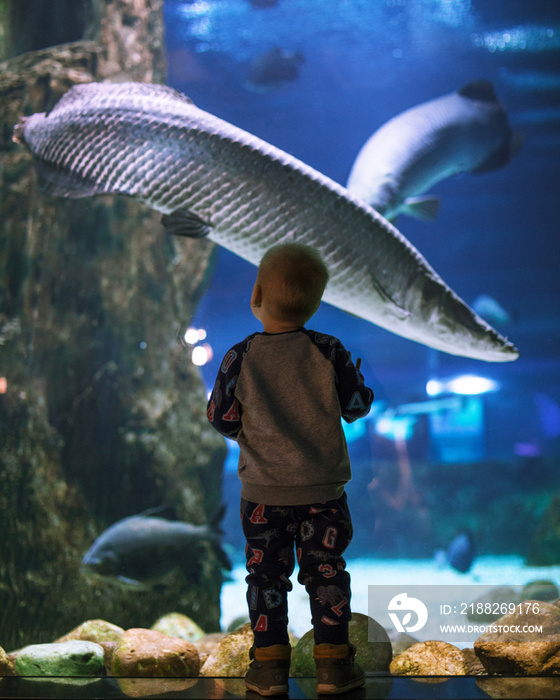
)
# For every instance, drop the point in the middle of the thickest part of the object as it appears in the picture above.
(269, 531)
(324, 533)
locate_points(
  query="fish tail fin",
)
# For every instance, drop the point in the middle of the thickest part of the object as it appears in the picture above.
(502, 155)
(425, 208)
(19, 131)
(516, 143)
(215, 522)
(216, 532)
(220, 552)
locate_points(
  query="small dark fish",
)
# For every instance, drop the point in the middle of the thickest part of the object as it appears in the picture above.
(263, 4)
(142, 550)
(271, 69)
(465, 131)
(461, 551)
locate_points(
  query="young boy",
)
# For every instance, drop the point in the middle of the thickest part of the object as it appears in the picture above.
(281, 394)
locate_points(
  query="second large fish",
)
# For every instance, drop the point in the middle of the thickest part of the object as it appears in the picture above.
(465, 131)
(212, 179)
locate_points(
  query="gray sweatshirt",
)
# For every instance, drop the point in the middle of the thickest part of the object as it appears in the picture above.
(281, 396)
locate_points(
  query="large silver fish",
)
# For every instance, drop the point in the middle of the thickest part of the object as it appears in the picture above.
(465, 131)
(212, 179)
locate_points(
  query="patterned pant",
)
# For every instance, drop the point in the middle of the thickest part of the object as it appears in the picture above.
(321, 532)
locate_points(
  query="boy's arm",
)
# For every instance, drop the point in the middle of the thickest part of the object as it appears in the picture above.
(223, 410)
(354, 396)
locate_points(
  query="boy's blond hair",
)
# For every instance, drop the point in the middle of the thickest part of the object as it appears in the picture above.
(293, 276)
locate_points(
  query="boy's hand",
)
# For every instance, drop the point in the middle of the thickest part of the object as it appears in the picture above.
(358, 361)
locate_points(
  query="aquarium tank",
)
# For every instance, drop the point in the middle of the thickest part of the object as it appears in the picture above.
(112, 330)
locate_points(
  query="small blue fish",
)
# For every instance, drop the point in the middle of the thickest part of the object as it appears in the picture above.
(461, 551)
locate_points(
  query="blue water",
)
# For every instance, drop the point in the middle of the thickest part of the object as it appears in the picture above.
(364, 63)
(487, 573)
(496, 234)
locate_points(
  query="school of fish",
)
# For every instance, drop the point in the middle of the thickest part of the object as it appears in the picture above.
(210, 178)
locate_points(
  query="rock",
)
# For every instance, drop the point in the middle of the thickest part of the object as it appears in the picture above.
(507, 688)
(373, 650)
(101, 632)
(540, 590)
(155, 687)
(514, 647)
(472, 663)
(7, 667)
(94, 631)
(208, 644)
(231, 657)
(431, 658)
(57, 482)
(178, 625)
(228, 688)
(74, 657)
(108, 653)
(400, 641)
(493, 604)
(237, 622)
(147, 653)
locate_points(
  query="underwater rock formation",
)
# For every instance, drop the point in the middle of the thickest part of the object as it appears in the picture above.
(231, 656)
(431, 658)
(98, 631)
(525, 643)
(72, 658)
(178, 625)
(102, 412)
(545, 547)
(7, 667)
(150, 654)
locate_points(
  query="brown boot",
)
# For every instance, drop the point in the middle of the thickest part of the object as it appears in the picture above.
(336, 670)
(269, 670)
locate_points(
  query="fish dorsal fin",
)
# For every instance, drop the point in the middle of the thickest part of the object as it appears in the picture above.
(423, 207)
(92, 91)
(481, 90)
(165, 511)
(184, 222)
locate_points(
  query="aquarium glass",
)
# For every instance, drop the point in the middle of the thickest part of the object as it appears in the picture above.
(451, 444)
(426, 464)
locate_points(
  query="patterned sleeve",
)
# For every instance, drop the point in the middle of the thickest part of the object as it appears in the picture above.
(355, 398)
(223, 410)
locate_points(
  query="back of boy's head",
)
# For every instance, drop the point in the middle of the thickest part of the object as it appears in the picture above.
(293, 276)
